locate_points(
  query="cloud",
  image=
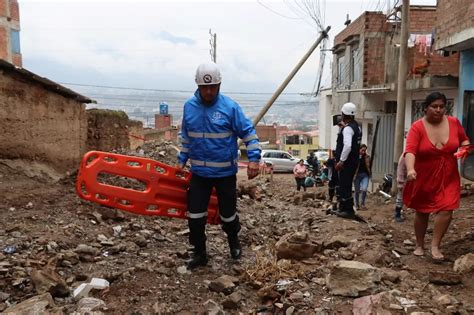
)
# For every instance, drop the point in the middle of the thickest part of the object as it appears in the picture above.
(176, 39)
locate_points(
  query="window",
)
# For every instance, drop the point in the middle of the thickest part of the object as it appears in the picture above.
(295, 153)
(340, 70)
(417, 109)
(355, 73)
(15, 40)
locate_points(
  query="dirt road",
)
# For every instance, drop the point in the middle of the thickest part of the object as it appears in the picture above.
(43, 225)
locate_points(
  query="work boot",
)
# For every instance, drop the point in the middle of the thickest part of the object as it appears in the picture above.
(235, 248)
(199, 259)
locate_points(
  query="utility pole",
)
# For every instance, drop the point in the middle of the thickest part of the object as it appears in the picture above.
(401, 87)
(213, 43)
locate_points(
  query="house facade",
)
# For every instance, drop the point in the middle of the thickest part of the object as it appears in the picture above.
(455, 33)
(365, 70)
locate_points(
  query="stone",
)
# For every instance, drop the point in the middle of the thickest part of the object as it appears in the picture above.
(296, 245)
(83, 249)
(408, 243)
(390, 275)
(371, 304)
(444, 278)
(296, 296)
(464, 264)
(47, 280)
(290, 310)
(232, 301)
(345, 253)
(89, 304)
(309, 195)
(223, 284)
(212, 308)
(140, 240)
(182, 270)
(36, 305)
(352, 278)
(445, 299)
(336, 242)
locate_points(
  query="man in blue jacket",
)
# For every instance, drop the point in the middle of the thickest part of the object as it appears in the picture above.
(211, 124)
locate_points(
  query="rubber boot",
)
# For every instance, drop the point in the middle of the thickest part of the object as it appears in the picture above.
(346, 210)
(199, 258)
(235, 247)
(398, 214)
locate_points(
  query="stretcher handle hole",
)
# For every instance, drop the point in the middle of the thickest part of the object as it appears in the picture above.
(101, 197)
(125, 202)
(134, 163)
(121, 181)
(110, 159)
(91, 159)
(160, 170)
(152, 208)
(84, 189)
(172, 211)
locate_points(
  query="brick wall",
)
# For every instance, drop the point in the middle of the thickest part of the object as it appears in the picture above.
(14, 10)
(163, 121)
(422, 21)
(3, 43)
(3, 7)
(267, 133)
(453, 17)
(356, 27)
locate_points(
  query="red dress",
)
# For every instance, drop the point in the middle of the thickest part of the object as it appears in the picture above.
(437, 184)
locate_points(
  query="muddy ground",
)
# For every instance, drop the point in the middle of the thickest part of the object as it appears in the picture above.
(42, 224)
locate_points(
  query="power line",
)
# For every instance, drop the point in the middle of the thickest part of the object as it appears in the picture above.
(166, 90)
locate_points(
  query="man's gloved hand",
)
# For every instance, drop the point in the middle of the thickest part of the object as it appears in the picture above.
(252, 169)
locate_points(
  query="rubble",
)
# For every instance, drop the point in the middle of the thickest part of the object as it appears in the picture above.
(297, 260)
(464, 264)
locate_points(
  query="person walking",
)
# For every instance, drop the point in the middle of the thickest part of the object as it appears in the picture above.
(211, 124)
(361, 181)
(347, 158)
(300, 174)
(433, 181)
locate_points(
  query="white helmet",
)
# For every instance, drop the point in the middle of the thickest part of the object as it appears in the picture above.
(208, 74)
(349, 109)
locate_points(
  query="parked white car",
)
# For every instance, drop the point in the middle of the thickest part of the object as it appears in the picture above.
(282, 161)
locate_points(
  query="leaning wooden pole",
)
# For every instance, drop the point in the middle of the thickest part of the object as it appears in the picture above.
(282, 86)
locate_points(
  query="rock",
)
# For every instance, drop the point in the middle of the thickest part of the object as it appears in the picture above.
(445, 299)
(345, 253)
(395, 307)
(297, 199)
(444, 278)
(296, 245)
(421, 313)
(4, 296)
(47, 280)
(88, 304)
(290, 310)
(296, 296)
(37, 305)
(352, 278)
(223, 284)
(464, 264)
(140, 240)
(390, 275)
(372, 304)
(212, 308)
(232, 301)
(309, 196)
(336, 242)
(249, 188)
(86, 251)
(182, 270)
(408, 243)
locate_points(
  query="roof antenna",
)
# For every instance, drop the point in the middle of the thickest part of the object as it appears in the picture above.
(348, 21)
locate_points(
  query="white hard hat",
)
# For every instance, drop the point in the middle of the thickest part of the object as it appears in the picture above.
(208, 74)
(349, 109)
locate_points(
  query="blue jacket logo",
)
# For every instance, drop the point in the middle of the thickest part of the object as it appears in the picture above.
(216, 116)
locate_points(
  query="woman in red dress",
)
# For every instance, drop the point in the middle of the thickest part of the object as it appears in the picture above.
(432, 172)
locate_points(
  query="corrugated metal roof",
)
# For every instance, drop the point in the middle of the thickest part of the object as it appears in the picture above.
(46, 83)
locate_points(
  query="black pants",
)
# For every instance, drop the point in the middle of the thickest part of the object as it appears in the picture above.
(300, 183)
(333, 185)
(199, 193)
(344, 190)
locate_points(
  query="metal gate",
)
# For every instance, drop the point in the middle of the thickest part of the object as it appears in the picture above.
(383, 141)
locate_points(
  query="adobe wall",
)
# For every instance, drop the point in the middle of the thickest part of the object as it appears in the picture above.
(36, 124)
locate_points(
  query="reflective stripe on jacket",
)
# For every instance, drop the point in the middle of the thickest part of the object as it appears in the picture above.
(209, 136)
